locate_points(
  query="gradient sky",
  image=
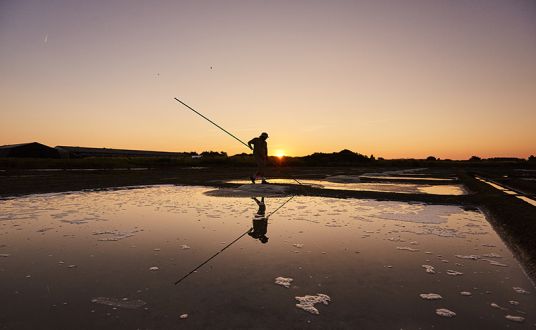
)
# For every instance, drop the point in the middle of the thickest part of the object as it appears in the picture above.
(397, 79)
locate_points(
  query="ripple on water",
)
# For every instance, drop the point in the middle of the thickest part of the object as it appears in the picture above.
(119, 302)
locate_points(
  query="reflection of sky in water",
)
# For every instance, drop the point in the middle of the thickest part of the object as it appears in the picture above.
(403, 188)
(413, 178)
(527, 199)
(61, 251)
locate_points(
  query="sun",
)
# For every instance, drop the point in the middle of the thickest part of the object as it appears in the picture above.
(280, 153)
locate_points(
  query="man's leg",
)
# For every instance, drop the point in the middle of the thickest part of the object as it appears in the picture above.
(262, 170)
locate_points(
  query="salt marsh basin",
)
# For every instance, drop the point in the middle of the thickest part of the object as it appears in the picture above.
(63, 255)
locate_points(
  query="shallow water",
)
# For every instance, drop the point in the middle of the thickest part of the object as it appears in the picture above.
(527, 199)
(108, 259)
(411, 178)
(402, 188)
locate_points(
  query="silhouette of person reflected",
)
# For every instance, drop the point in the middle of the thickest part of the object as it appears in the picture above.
(260, 222)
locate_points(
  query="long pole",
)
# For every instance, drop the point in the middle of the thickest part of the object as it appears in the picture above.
(228, 245)
(218, 126)
(213, 123)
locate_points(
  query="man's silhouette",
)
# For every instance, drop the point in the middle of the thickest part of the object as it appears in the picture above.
(260, 152)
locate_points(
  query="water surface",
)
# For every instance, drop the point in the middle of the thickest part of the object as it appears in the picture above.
(84, 260)
(402, 188)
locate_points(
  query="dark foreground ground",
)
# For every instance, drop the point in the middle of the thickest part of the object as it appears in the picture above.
(512, 218)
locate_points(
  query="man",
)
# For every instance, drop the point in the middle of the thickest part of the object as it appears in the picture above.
(260, 222)
(260, 152)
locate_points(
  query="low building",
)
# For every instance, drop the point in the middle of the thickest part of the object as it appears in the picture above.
(82, 152)
(28, 150)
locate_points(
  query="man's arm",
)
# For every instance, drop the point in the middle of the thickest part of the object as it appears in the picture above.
(251, 142)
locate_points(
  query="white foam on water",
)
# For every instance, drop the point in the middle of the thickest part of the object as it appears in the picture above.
(154, 268)
(520, 290)
(471, 257)
(283, 281)
(407, 248)
(4, 255)
(184, 247)
(454, 272)
(494, 305)
(343, 178)
(492, 255)
(298, 245)
(119, 302)
(183, 316)
(466, 293)
(307, 302)
(515, 318)
(445, 312)
(115, 235)
(251, 190)
(495, 263)
(429, 269)
(430, 296)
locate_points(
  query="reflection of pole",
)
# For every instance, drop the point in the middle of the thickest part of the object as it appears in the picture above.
(218, 126)
(228, 245)
(196, 268)
(280, 206)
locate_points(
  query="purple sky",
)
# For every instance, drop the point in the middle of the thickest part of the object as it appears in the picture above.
(389, 78)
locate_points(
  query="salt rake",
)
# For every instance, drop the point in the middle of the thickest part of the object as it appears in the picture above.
(218, 126)
(228, 245)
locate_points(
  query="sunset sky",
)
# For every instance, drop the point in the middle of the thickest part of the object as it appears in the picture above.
(397, 79)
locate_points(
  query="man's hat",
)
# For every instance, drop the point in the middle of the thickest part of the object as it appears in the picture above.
(264, 134)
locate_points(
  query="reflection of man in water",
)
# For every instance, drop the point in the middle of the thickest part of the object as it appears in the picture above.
(260, 222)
